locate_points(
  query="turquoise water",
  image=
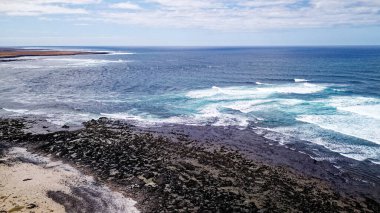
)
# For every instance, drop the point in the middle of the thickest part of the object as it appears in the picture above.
(326, 95)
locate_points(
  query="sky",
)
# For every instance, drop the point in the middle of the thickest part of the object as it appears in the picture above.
(189, 22)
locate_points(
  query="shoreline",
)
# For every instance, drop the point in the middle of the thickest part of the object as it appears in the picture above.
(16, 53)
(32, 182)
(193, 168)
(344, 174)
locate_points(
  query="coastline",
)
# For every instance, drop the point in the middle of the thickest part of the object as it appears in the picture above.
(34, 183)
(344, 174)
(16, 53)
(194, 169)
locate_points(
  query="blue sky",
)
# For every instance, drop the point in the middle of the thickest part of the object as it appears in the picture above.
(189, 22)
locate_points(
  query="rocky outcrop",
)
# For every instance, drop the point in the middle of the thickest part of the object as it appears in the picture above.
(167, 176)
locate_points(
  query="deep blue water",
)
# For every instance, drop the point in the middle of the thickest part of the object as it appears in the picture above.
(326, 95)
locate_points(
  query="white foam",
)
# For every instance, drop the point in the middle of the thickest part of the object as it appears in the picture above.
(205, 92)
(290, 102)
(207, 115)
(123, 116)
(329, 159)
(82, 62)
(259, 91)
(372, 111)
(246, 106)
(145, 120)
(212, 113)
(304, 88)
(297, 80)
(346, 101)
(61, 118)
(308, 133)
(19, 65)
(57, 117)
(365, 106)
(121, 53)
(57, 62)
(270, 134)
(246, 100)
(356, 126)
(20, 111)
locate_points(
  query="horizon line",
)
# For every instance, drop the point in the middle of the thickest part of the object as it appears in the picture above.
(195, 46)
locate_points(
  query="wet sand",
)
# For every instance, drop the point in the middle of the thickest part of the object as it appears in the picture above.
(181, 168)
(14, 53)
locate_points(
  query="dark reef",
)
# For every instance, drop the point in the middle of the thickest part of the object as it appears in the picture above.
(181, 176)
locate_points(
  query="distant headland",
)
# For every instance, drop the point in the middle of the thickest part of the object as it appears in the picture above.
(14, 52)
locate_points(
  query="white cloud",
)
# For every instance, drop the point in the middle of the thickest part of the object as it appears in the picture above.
(64, 1)
(225, 15)
(266, 3)
(126, 5)
(42, 7)
(187, 4)
(252, 15)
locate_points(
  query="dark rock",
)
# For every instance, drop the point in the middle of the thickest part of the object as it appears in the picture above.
(167, 176)
(65, 126)
(31, 206)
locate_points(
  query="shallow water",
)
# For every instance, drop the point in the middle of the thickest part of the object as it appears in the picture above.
(327, 95)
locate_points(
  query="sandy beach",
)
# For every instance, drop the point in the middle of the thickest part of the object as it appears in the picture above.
(33, 183)
(24, 187)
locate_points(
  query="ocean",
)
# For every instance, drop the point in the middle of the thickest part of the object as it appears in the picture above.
(329, 96)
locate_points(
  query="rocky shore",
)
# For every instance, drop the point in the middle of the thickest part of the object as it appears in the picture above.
(174, 173)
